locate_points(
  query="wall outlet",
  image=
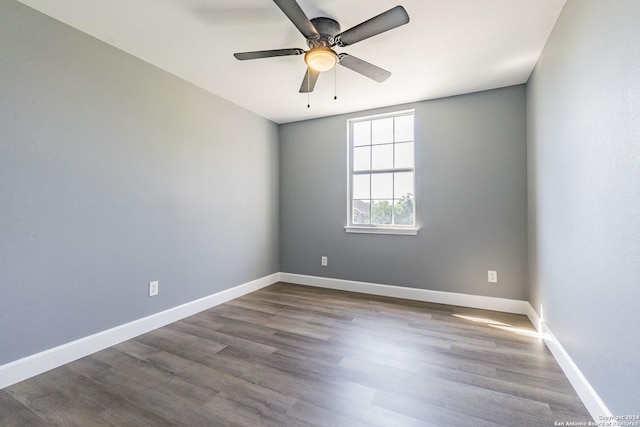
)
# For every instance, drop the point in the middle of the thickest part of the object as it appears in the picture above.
(323, 261)
(492, 276)
(153, 288)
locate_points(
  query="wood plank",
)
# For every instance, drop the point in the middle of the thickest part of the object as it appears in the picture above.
(13, 413)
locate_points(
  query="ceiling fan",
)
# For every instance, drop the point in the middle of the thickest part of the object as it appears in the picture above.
(323, 34)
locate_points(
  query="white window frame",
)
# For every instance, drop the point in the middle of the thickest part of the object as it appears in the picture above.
(377, 228)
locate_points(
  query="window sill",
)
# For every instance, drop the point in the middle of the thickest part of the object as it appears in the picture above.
(381, 230)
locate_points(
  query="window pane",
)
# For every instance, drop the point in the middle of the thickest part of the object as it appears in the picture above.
(382, 186)
(361, 187)
(404, 155)
(381, 211)
(402, 184)
(362, 158)
(403, 211)
(361, 133)
(382, 131)
(361, 213)
(404, 128)
(382, 156)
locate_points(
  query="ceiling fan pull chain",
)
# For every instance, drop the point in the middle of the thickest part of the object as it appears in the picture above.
(308, 93)
(335, 83)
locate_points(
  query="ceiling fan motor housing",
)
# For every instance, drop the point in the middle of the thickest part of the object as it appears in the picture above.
(327, 29)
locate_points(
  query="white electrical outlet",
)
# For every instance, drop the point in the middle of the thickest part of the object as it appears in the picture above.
(153, 288)
(323, 261)
(492, 276)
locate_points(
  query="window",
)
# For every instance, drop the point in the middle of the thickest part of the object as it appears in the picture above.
(382, 174)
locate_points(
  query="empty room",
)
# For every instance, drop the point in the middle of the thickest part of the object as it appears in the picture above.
(319, 213)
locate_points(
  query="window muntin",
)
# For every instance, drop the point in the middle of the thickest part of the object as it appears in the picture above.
(382, 171)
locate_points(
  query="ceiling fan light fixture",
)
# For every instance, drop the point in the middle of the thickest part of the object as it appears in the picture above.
(321, 58)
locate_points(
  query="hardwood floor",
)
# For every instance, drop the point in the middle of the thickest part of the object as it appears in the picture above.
(290, 355)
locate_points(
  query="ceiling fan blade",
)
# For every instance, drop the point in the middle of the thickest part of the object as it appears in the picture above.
(363, 67)
(295, 14)
(242, 56)
(309, 81)
(386, 21)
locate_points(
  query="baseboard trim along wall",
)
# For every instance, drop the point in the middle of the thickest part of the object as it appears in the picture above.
(440, 297)
(587, 394)
(38, 363)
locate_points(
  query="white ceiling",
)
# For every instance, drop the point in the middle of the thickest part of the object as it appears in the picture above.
(449, 47)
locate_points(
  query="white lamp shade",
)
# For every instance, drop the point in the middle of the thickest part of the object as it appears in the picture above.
(321, 58)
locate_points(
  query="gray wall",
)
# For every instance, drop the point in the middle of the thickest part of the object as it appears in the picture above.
(471, 200)
(112, 174)
(584, 193)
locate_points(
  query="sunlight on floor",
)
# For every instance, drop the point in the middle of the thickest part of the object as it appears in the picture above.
(519, 331)
(480, 320)
(500, 325)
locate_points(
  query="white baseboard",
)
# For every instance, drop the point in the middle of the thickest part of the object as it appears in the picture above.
(38, 363)
(450, 298)
(583, 388)
(534, 318)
